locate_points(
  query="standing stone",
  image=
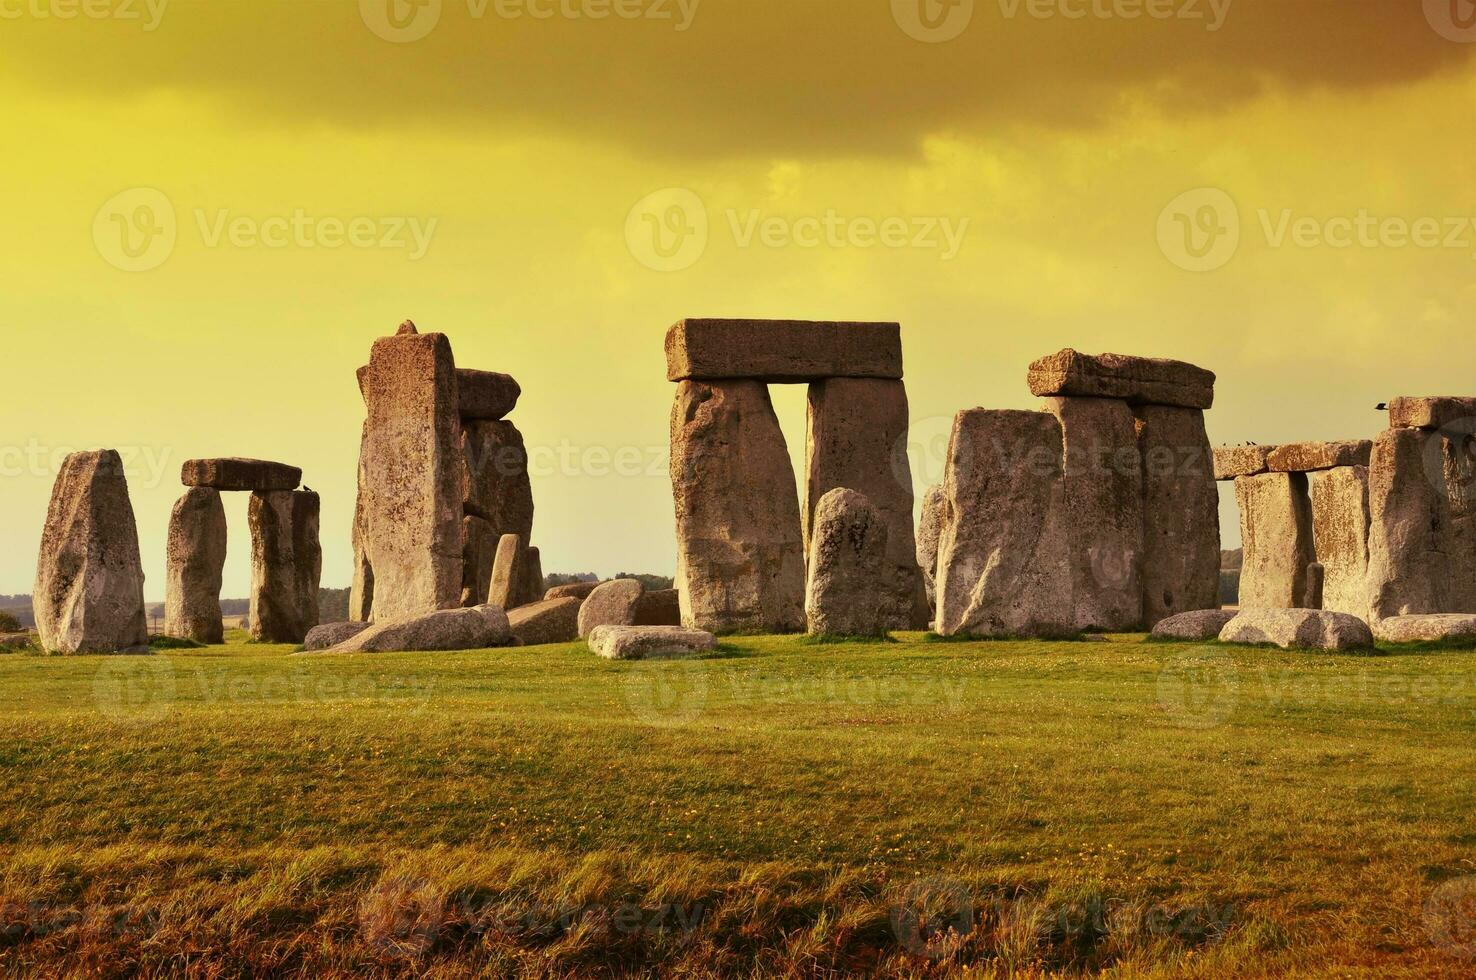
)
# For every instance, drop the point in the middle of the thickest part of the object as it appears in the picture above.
(286, 565)
(196, 560)
(1104, 504)
(740, 548)
(858, 440)
(1181, 514)
(89, 578)
(532, 590)
(1458, 463)
(1312, 597)
(850, 578)
(507, 573)
(612, 604)
(1276, 529)
(495, 466)
(413, 464)
(361, 591)
(1340, 525)
(479, 550)
(1003, 565)
(930, 526)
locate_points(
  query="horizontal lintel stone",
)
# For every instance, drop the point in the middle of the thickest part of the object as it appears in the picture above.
(1432, 413)
(1138, 380)
(1232, 462)
(1310, 457)
(233, 474)
(781, 351)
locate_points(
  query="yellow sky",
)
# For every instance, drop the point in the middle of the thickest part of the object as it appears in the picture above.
(830, 147)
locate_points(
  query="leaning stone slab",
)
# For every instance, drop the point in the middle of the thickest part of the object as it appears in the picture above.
(650, 642)
(507, 573)
(195, 562)
(1432, 413)
(1448, 628)
(575, 590)
(1300, 629)
(330, 635)
(244, 475)
(1276, 529)
(1199, 626)
(660, 607)
(486, 395)
(1181, 513)
(88, 596)
(848, 588)
(286, 565)
(549, 621)
(479, 628)
(1309, 457)
(1237, 461)
(532, 590)
(612, 604)
(782, 350)
(929, 528)
(1138, 380)
(1340, 526)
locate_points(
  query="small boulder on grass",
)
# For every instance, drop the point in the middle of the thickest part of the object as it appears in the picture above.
(324, 637)
(1455, 629)
(1298, 629)
(650, 642)
(1199, 626)
(612, 604)
(549, 621)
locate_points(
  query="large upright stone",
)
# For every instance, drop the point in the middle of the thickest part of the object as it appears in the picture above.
(929, 528)
(782, 350)
(1104, 504)
(195, 563)
(850, 571)
(1139, 380)
(1003, 566)
(532, 577)
(240, 474)
(286, 565)
(413, 464)
(361, 590)
(858, 440)
(1276, 529)
(1340, 525)
(507, 573)
(495, 466)
(1181, 514)
(740, 548)
(89, 579)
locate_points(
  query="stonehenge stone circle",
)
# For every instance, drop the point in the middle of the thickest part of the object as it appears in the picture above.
(1181, 513)
(1298, 629)
(242, 475)
(1340, 526)
(286, 564)
(849, 583)
(195, 562)
(88, 596)
(782, 350)
(930, 526)
(650, 642)
(1276, 529)
(612, 604)
(508, 578)
(545, 622)
(1137, 380)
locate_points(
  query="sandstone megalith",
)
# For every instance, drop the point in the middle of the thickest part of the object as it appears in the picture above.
(361, 590)
(286, 565)
(1410, 534)
(495, 467)
(1430, 412)
(240, 474)
(1137, 380)
(1276, 529)
(195, 563)
(479, 550)
(782, 350)
(850, 569)
(1310, 457)
(1181, 512)
(486, 395)
(929, 528)
(1234, 461)
(507, 573)
(1340, 524)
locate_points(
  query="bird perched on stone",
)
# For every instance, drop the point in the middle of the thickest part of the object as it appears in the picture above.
(1381, 407)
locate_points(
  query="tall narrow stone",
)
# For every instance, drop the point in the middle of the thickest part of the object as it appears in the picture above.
(1276, 529)
(930, 526)
(479, 550)
(195, 563)
(286, 565)
(858, 441)
(849, 587)
(532, 577)
(89, 578)
(361, 591)
(1181, 513)
(740, 547)
(508, 578)
(1340, 525)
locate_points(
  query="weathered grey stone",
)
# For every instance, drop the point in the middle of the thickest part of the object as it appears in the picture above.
(413, 464)
(1302, 629)
(1312, 597)
(650, 642)
(1435, 412)
(1104, 506)
(849, 580)
(782, 350)
(659, 607)
(740, 548)
(1276, 529)
(1340, 524)
(1236, 461)
(1139, 380)
(532, 590)
(1181, 514)
(929, 528)
(478, 628)
(195, 562)
(478, 551)
(286, 565)
(1230, 587)
(1198, 626)
(330, 635)
(612, 604)
(507, 573)
(495, 473)
(1453, 628)
(549, 621)
(361, 591)
(574, 590)
(254, 475)
(1309, 457)
(486, 395)
(1002, 556)
(89, 579)
(857, 439)
(1458, 472)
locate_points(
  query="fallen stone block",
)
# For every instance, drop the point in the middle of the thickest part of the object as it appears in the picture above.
(17, 642)
(330, 635)
(1309, 457)
(1237, 461)
(1137, 380)
(847, 592)
(1298, 629)
(1435, 412)
(480, 628)
(782, 350)
(486, 395)
(549, 621)
(612, 604)
(1452, 628)
(1198, 626)
(243, 475)
(650, 642)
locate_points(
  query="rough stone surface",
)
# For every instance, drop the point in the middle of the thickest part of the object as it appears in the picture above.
(849, 580)
(1002, 556)
(13, 642)
(479, 628)
(478, 551)
(486, 395)
(1236, 461)
(88, 596)
(1199, 626)
(740, 547)
(929, 528)
(1448, 628)
(413, 464)
(1435, 412)
(659, 607)
(286, 565)
(1181, 514)
(1104, 506)
(330, 635)
(612, 604)
(195, 561)
(857, 439)
(1302, 629)
(1312, 597)
(650, 642)
(532, 590)
(1276, 529)
(1340, 525)
(495, 474)
(361, 590)
(782, 350)
(574, 590)
(549, 621)
(1139, 380)
(1309, 457)
(251, 475)
(507, 573)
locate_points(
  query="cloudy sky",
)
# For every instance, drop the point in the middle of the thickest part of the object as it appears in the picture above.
(214, 206)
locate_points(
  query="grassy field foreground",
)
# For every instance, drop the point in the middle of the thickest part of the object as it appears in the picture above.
(915, 808)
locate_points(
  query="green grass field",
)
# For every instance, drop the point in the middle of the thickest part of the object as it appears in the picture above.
(914, 809)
